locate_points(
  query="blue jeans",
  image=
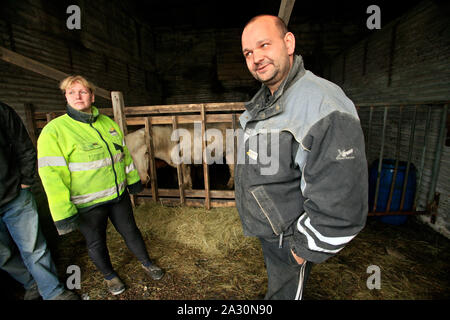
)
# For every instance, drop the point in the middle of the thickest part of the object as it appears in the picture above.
(286, 278)
(19, 224)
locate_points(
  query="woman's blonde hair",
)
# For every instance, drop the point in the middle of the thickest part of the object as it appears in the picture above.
(69, 81)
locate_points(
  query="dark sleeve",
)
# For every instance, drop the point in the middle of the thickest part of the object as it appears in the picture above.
(22, 147)
(335, 185)
(135, 188)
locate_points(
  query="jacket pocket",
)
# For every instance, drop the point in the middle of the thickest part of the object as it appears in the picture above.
(91, 151)
(268, 208)
(90, 146)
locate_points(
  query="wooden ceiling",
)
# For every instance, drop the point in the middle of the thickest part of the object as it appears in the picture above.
(234, 14)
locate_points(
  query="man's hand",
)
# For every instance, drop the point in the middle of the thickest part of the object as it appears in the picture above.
(297, 258)
(24, 186)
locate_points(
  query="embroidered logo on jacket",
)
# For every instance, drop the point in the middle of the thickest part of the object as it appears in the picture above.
(113, 132)
(345, 154)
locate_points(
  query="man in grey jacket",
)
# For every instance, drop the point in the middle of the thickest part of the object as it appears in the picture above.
(308, 199)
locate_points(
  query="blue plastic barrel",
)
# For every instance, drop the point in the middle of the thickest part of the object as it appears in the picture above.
(386, 177)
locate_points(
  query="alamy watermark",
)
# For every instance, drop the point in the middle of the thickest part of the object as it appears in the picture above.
(374, 280)
(374, 20)
(263, 147)
(74, 280)
(74, 20)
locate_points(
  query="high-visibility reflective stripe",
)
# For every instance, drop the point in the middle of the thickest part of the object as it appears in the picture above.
(129, 168)
(335, 241)
(97, 164)
(51, 162)
(311, 242)
(85, 198)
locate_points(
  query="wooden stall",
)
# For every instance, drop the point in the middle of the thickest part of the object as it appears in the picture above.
(422, 123)
(207, 113)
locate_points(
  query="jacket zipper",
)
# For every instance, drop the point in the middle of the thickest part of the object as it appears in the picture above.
(112, 159)
(267, 216)
(280, 241)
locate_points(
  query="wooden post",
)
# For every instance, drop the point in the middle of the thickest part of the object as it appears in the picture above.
(29, 118)
(151, 154)
(285, 11)
(119, 111)
(205, 164)
(179, 166)
(119, 117)
(50, 116)
(235, 127)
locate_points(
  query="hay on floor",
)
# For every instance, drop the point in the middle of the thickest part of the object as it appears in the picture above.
(206, 256)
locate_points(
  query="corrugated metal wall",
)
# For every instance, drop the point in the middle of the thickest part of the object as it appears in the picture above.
(407, 60)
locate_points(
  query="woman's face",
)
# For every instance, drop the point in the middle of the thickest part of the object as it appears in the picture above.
(79, 97)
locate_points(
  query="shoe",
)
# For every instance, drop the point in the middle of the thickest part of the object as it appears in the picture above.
(155, 272)
(32, 293)
(66, 295)
(115, 286)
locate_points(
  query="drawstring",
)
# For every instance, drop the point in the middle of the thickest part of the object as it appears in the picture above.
(280, 243)
(301, 279)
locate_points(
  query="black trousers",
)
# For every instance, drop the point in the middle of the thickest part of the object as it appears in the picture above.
(286, 278)
(93, 223)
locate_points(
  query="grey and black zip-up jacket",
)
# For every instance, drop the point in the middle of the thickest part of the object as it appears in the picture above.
(301, 176)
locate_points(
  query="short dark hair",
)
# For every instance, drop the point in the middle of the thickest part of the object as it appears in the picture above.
(279, 23)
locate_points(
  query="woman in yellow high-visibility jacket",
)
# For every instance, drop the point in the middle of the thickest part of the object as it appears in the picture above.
(87, 173)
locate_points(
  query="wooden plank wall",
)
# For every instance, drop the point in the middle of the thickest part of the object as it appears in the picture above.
(119, 51)
(407, 60)
(103, 52)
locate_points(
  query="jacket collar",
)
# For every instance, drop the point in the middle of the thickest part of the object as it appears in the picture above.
(259, 109)
(83, 116)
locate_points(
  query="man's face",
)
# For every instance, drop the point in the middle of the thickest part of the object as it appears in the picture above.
(268, 54)
(79, 97)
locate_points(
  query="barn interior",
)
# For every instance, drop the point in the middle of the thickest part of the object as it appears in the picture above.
(177, 53)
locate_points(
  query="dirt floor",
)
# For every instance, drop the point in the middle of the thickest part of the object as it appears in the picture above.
(206, 257)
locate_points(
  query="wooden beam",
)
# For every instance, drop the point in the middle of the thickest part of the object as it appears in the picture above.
(179, 166)
(42, 69)
(151, 154)
(50, 116)
(190, 193)
(286, 7)
(30, 124)
(161, 120)
(199, 203)
(185, 108)
(118, 109)
(168, 109)
(205, 165)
